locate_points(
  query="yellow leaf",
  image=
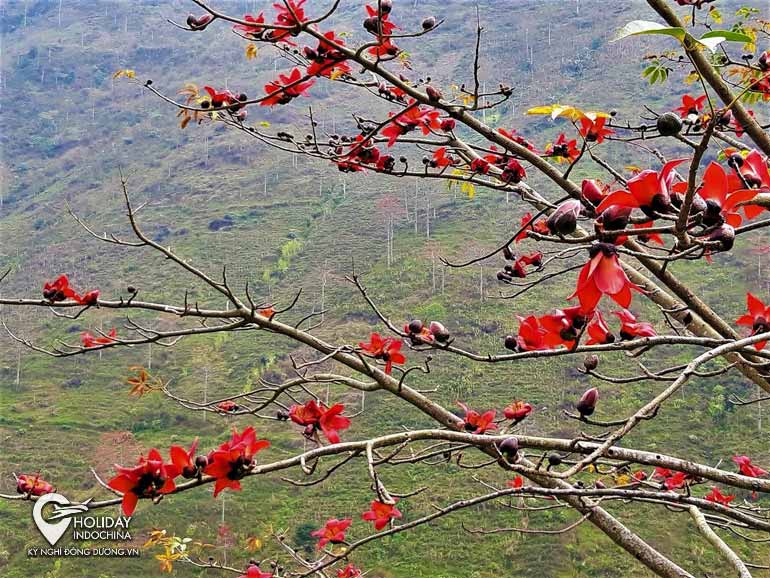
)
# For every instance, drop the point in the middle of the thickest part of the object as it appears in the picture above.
(573, 113)
(623, 480)
(469, 189)
(691, 78)
(253, 544)
(264, 124)
(336, 73)
(251, 51)
(130, 74)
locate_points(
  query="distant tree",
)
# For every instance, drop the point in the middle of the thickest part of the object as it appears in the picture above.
(626, 232)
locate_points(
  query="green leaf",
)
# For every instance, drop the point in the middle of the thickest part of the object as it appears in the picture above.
(638, 27)
(726, 35)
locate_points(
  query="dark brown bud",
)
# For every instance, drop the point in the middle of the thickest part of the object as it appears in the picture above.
(429, 23)
(438, 331)
(591, 362)
(433, 93)
(587, 403)
(511, 343)
(563, 221)
(554, 459)
(415, 326)
(201, 461)
(509, 447)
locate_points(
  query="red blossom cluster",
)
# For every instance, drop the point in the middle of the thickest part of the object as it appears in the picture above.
(314, 415)
(152, 477)
(89, 340)
(386, 349)
(33, 485)
(757, 317)
(60, 290)
(434, 332)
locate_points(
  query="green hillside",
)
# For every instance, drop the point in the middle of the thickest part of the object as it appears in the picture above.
(278, 223)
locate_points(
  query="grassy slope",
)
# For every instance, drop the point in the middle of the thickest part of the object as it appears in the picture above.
(67, 129)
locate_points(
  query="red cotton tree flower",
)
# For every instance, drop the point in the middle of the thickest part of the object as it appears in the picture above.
(386, 349)
(33, 485)
(333, 532)
(478, 423)
(315, 415)
(286, 88)
(149, 478)
(234, 459)
(758, 318)
(381, 514)
(648, 191)
(397, 104)
(603, 275)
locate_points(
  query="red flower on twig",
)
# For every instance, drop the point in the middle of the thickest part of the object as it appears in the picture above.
(349, 571)
(516, 483)
(33, 485)
(147, 479)
(60, 290)
(531, 336)
(747, 468)
(527, 225)
(758, 318)
(88, 340)
(326, 60)
(233, 460)
(332, 532)
(253, 571)
(563, 150)
(690, 105)
(630, 328)
(593, 130)
(603, 275)
(381, 514)
(411, 118)
(183, 459)
(648, 191)
(315, 415)
(718, 497)
(280, 94)
(253, 27)
(517, 410)
(598, 331)
(476, 422)
(387, 349)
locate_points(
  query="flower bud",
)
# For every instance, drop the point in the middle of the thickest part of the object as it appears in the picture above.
(587, 403)
(434, 94)
(591, 362)
(509, 447)
(438, 331)
(448, 124)
(563, 221)
(614, 218)
(511, 343)
(415, 326)
(429, 23)
(591, 192)
(725, 234)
